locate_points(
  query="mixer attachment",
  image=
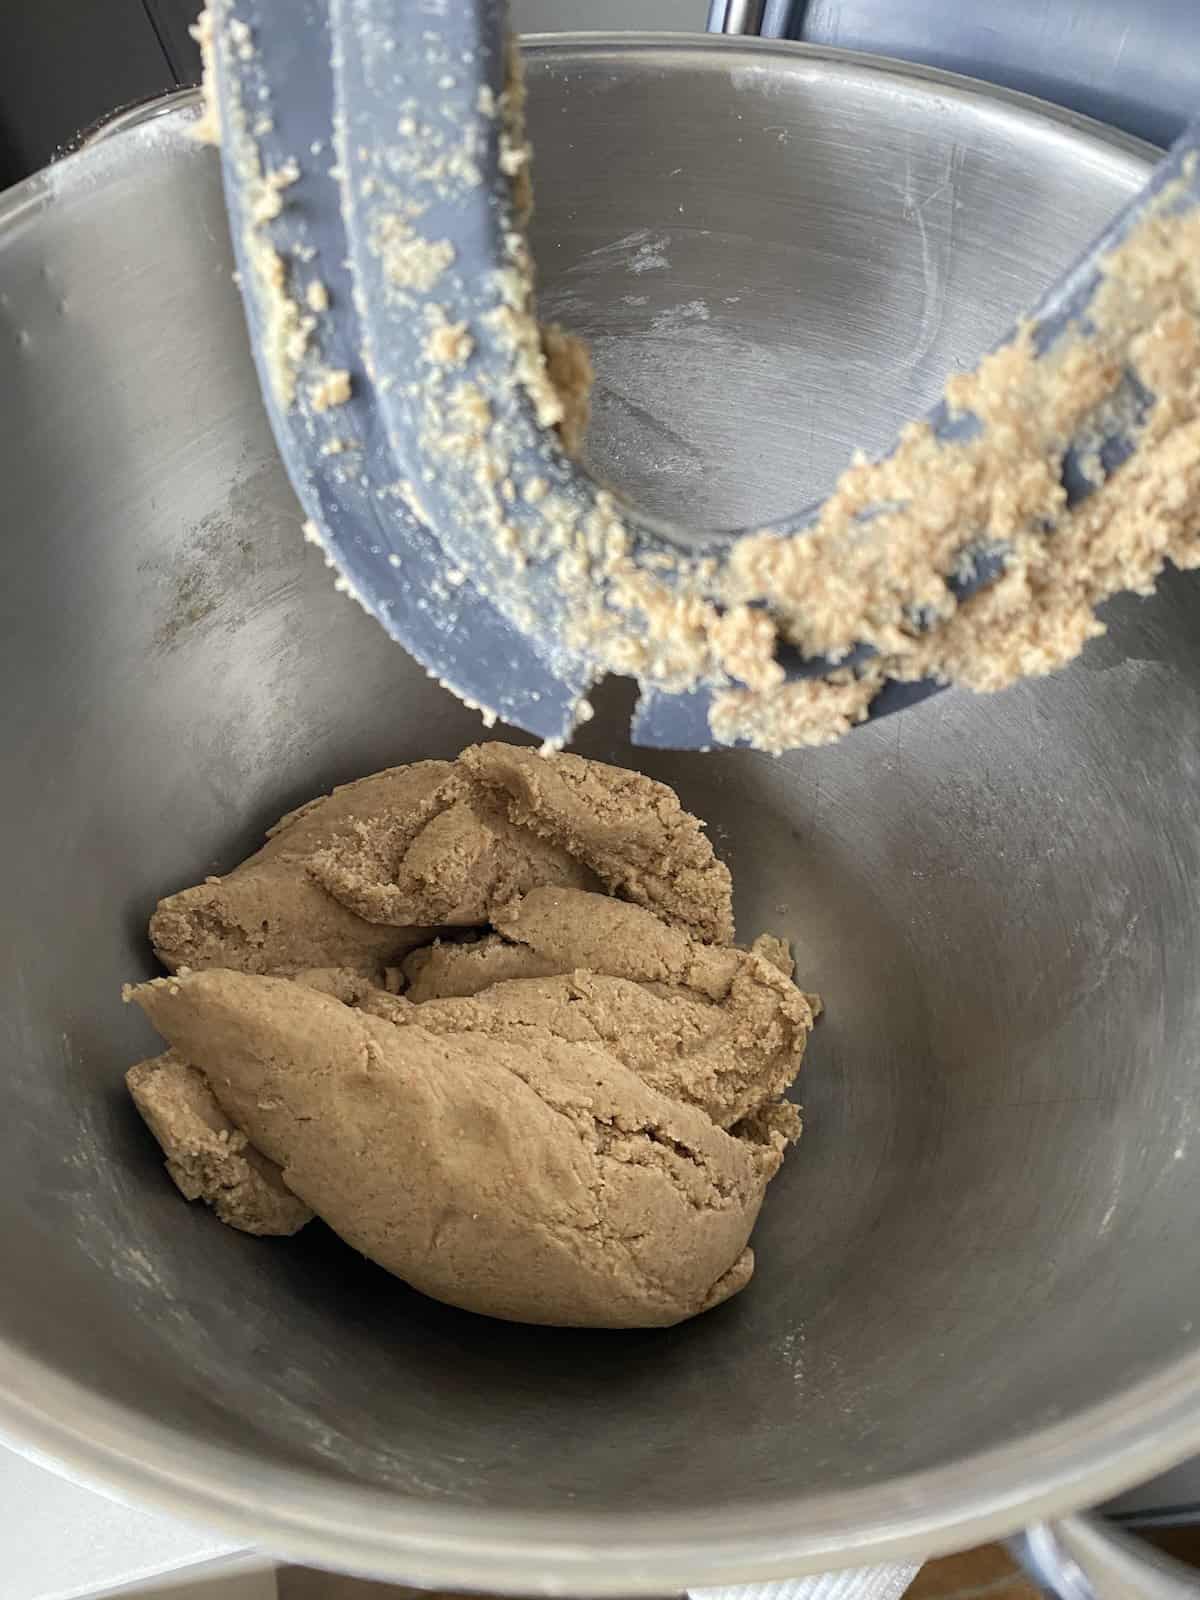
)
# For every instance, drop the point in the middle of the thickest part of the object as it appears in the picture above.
(376, 177)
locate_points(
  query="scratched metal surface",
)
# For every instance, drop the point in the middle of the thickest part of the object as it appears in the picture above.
(779, 281)
(976, 1292)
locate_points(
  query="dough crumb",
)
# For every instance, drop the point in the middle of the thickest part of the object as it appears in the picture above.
(570, 371)
(775, 950)
(333, 388)
(209, 1158)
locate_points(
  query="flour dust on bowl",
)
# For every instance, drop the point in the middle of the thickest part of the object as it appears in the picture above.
(975, 1298)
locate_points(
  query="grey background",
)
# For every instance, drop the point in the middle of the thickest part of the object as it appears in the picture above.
(66, 64)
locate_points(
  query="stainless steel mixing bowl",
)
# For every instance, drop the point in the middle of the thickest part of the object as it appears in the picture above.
(977, 1298)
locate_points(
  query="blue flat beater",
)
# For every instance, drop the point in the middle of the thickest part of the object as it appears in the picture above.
(311, 94)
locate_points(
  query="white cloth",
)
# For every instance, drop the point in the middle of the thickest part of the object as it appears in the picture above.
(856, 1583)
(59, 1540)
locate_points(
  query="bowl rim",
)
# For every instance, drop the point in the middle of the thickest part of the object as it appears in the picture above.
(302, 1515)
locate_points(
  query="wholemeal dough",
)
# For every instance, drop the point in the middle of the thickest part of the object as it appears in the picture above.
(565, 1108)
(631, 831)
(271, 915)
(359, 877)
(540, 1182)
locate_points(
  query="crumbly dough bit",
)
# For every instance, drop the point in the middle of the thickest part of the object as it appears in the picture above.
(445, 971)
(632, 831)
(727, 1059)
(207, 1157)
(775, 1124)
(777, 951)
(271, 915)
(570, 370)
(770, 947)
(543, 1185)
(461, 860)
(207, 127)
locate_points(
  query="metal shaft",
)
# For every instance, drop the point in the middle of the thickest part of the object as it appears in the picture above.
(735, 16)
